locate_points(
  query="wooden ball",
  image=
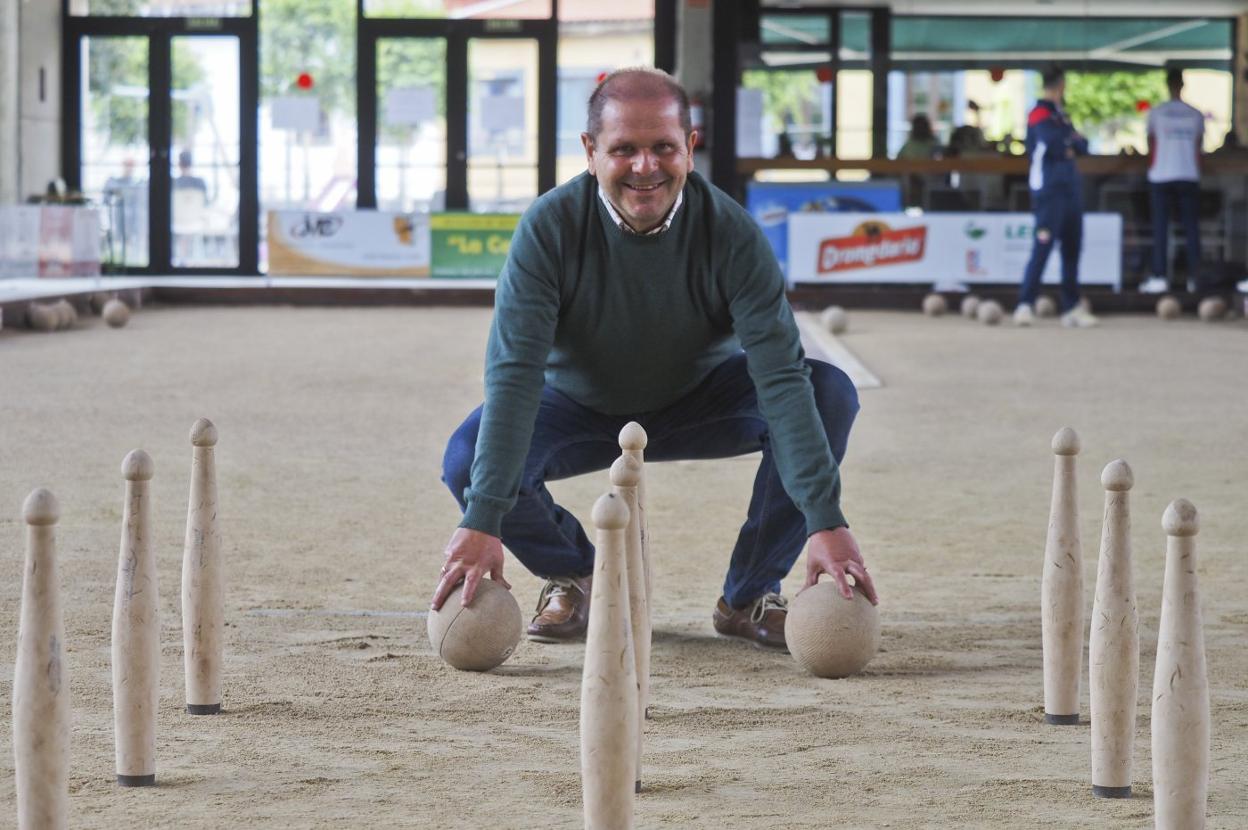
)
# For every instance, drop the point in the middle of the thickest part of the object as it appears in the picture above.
(1211, 309)
(830, 636)
(934, 305)
(1046, 306)
(970, 303)
(481, 636)
(1169, 308)
(834, 319)
(116, 313)
(989, 312)
(41, 317)
(69, 314)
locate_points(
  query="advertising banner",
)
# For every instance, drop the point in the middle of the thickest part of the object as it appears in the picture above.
(771, 203)
(941, 248)
(351, 243)
(471, 245)
(49, 241)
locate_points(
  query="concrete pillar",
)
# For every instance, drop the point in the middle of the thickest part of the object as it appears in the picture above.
(694, 61)
(39, 95)
(8, 101)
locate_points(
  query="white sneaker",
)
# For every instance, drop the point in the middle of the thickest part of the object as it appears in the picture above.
(1079, 318)
(1155, 285)
(1023, 315)
(1242, 286)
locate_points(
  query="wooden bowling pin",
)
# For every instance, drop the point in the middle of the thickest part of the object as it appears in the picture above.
(1180, 685)
(136, 632)
(203, 579)
(625, 476)
(609, 681)
(633, 441)
(1061, 589)
(40, 685)
(1114, 643)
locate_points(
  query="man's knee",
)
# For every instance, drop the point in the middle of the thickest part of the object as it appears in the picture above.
(457, 460)
(835, 394)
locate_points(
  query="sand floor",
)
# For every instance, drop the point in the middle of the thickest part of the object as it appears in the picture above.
(332, 424)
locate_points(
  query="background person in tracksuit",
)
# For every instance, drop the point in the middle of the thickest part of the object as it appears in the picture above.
(1057, 200)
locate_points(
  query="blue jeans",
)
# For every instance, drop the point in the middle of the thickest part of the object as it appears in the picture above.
(718, 419)
(1059, 215)
(1187, 194)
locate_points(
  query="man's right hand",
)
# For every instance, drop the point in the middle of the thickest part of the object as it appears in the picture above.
(470, 555)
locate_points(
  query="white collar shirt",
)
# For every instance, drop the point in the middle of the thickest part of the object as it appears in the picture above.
(624, 226)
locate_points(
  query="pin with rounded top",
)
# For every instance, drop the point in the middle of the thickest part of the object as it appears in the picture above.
(1180, 701)
(626, 471)
(633, 437)
(610, 513)
(1117, 476)
(41, 708)
(203, 433)
(203, 579)
(137, 466)
(1061, 589)
(1114, 643)
(136, 631)
(1180, 519)
(1066, 442)
(626, 478)
(41, 508)
(609, 725)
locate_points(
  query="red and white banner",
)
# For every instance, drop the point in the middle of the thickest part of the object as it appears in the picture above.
(941, 248)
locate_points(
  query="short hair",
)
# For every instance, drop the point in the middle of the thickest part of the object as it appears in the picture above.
(1052, 77)
(1174, 77)
(185, 159)
(632, 84)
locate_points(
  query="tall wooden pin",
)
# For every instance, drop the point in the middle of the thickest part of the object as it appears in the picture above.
(1180, 685)
(136, 632)
(609, 681)
(633, 442)
(1061, 589)
(40, 686)
(203, 579)
(1114, 643)
(625, 475)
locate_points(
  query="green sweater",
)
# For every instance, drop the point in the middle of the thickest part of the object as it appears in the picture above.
(627, 324)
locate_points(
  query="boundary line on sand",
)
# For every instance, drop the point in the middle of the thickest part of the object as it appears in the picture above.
(823, 345)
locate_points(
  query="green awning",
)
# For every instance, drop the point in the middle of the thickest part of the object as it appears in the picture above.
(927, 43)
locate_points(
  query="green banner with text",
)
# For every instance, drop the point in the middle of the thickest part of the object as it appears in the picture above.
(470, 245)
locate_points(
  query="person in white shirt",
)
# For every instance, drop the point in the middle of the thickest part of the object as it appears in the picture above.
(1175, 132)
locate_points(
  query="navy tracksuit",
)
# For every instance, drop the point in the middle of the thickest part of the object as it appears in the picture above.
(1056, 199)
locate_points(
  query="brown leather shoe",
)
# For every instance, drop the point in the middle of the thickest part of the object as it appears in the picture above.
(562, 611)
(761, 622)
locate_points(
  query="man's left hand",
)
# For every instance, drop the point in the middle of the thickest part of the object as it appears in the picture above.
(835, 552)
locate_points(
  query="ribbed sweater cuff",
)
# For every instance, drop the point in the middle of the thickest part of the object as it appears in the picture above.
(483, 517)
(824, 517)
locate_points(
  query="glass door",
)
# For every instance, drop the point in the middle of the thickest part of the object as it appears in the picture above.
(502, 124)
(203, 154)
(160, 135)
(411, 124)
(115, 155)
(456, 114)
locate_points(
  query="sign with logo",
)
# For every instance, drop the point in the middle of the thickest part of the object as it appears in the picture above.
(940, 248)
(471, 245)
(352, 243)
(771, 204)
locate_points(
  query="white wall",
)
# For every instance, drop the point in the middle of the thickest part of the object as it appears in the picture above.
(39, 115)
(8, 101)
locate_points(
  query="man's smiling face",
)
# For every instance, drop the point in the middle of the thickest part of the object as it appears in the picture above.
(641, 158)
